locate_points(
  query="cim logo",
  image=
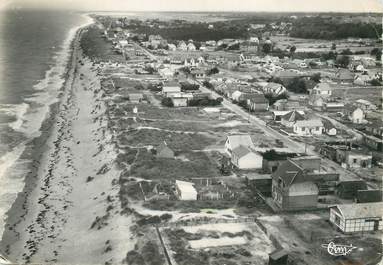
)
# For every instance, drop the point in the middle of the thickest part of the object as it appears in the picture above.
(338, 250)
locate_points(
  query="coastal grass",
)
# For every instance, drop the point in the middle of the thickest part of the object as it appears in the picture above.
(148, 166)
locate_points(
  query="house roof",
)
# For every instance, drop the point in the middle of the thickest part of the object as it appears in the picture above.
(364, 196)
(293, 116)
(289, 172)
(241, 151)
(345, 74)
(323, 87)
(304, 188)
(286, 74)
(133, 96)
(240, 139)
(309, 123)
(185, 186)
(360, 210)
(257, 98)
(163, 146)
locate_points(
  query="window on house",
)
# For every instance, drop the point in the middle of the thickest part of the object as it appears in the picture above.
(354, 161)
(337, 220)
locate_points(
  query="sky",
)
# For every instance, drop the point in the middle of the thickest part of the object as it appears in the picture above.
(203, 5)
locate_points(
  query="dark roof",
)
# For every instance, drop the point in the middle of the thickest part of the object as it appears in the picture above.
(257, 98)
(369, 196)
(289, 172)
(353, 184)
(278, 253)
(241, 151)
(293, 116)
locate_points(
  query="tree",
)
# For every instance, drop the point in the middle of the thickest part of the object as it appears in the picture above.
(346, 52)
(343, 61)
(292, 50)
(213, 71)
(207, 84)
(266, 48)
(316, 77)
(167, 102)
(378, 53)
(333, 47)
(297, 85)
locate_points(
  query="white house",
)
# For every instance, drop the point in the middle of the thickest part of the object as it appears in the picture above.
(182, 46)
(244, 158)
(357, 116)
(186, 191)
(365, 105)
(308, 127)
(274, 88)
(329, 128)
(236, 95)
(323, 89)
(191, 47)
(233, 141)
(180, 101)
(357, 217)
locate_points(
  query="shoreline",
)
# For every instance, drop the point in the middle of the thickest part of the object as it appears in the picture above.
(36, 147)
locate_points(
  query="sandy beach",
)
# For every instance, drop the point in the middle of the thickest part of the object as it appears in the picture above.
(69, 212)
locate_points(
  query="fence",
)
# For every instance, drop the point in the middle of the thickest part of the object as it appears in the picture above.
(204, 220)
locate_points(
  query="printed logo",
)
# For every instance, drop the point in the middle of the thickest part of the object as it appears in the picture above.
(338, 250)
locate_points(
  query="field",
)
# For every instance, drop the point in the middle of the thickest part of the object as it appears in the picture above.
(219, 243)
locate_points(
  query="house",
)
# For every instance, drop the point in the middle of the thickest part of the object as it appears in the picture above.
(191, 47)
(333, 106)
(357, 217)
(356, 115)
(180, 101)
(172, 47)
(291, 117)
(234, 141)
(235, 96)
(163, 151)
(322, 89)
(344, 76)
(308, 127)
(166, 72)
(257, 102)
(198, 73)
(278, 257)
(292, 189)
(316, 101)
(365, 105)
(357, 159)
(182, 46)
(362, 80)
(349, 189)
(136, 97)
(186, 191)
(280, 104)
(375, 128)
(244, 158)
(329, 127)
(171, 89)
(274, 88)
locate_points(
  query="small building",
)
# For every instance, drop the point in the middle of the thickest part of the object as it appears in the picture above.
(356, 115)
(278, 257)
(291, 117)
(191, 47)
(280, 104)
(179, 101)
(234, 141)
(135, 97)
(172, 47)
(163, 151)
(308, 127)
(333, 106)
(171, 89)
(364, 196)
(322, 89)
(244, 158)
(349, 189)
(357, 159)
(329, 127)
(257, 102)
(186, 191)
(365, 105)
(359, 217)
(182, 46)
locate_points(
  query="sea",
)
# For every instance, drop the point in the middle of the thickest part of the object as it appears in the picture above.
(34, 51)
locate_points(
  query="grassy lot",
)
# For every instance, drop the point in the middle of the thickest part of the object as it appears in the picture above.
(148, 166)
(98, 48)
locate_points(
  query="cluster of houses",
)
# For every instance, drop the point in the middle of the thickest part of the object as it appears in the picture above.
(179, 98)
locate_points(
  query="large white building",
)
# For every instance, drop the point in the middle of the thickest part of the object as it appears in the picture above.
(357, 217)
(308, 127)
(234, 141)
(186, 191)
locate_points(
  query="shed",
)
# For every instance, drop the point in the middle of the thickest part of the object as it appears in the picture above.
(364, 196)
(186, 191)
(349, 189)
(278, 257)
(244, 158)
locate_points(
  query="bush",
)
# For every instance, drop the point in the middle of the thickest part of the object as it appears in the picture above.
(167, 102)
(297, 85)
